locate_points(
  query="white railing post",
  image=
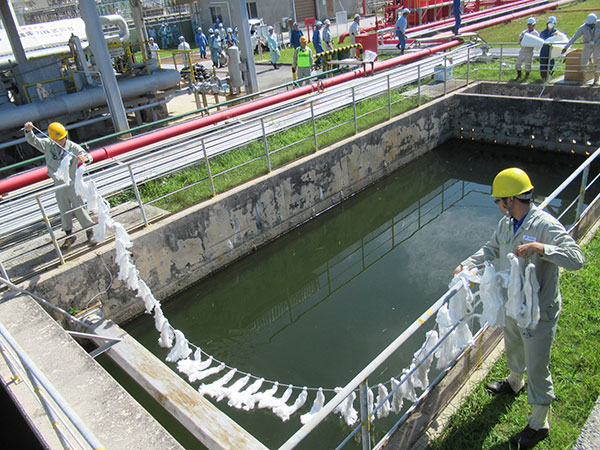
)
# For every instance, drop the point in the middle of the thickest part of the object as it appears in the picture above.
(584, 180)
(50, 230)
(354, 111)
(262, 124)
(365, 416)
(210, 178)
(137, 195)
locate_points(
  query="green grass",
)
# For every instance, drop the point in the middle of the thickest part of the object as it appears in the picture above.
(568, 22)
(251, 158)
(373, 111)
(486, 421)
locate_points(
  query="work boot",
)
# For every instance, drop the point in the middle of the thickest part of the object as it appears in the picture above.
(90, 238)
(518, 77)
(70, 239)
(526, 76)
(502, 387)
(595, 80)
(528, 438)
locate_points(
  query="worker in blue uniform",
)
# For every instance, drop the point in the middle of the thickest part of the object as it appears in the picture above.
(456, 12)
(400, 29)
(317, 43)
(547, 63)
(295, 35)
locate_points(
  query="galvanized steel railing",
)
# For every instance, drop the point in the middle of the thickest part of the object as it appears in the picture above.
(360, 381)
(69, 428)
(22, 217)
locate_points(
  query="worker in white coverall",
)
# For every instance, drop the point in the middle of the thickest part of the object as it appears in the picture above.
(590, 31)
(534, 236)
(526, 53)
(353, 31)
(69, 203)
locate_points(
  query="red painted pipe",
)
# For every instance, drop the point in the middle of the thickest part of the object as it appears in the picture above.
(33, 176)
(440, 23)
(36, 175)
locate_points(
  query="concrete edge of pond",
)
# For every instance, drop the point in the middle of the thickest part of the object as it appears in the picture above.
(107, 409)
(429, 421)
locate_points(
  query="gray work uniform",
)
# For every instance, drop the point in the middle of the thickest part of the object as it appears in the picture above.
(591, 44)
(67, 200)
(529, 350)
(525, 53)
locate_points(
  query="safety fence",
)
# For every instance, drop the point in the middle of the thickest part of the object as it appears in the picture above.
(258, 145)
(456, 333)
(69, 428)
(213, 160)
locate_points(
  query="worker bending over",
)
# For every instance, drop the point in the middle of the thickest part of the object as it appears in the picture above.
(590, 31)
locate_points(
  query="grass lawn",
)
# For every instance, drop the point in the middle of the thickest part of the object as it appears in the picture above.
(485, 421)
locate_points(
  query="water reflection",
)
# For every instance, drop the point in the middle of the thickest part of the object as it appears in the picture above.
(314, 307)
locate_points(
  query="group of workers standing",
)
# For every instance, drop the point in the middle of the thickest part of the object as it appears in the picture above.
(589, 31)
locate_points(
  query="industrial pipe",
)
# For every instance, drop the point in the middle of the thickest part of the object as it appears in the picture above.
(24, 179)
(16, 116)
(441, 23)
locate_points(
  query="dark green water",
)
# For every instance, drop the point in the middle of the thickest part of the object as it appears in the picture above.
(317, 305)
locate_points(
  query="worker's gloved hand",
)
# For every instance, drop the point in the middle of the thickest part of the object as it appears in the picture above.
(293, 69)
(563, 51)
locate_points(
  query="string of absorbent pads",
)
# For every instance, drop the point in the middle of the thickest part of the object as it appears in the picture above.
(246, 391)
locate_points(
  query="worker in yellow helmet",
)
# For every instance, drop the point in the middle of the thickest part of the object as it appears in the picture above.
(533, 236)
(54, 148)
(302, 60)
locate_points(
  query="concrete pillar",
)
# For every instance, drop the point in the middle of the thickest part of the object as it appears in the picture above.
(138, 20)
(10, 25)
(95, 36)
(239, 17)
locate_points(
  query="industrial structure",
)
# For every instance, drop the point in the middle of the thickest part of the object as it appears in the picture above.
(92, 82)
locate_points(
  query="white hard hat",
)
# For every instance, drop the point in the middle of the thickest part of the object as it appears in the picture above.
(229, 30)
(357, 16)
(591, 19)
(210, 30)
(531, 21)
(551, 19)
(319, 23)
(405, 11)
(199, 28)
(181, 38)
(151, 39)
(269, 28)
(327, 22)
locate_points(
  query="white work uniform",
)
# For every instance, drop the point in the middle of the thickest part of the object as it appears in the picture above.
(591, 45)
(183, 45)
(529, 350)
(353, 31)
(525, 53)
(68, 201)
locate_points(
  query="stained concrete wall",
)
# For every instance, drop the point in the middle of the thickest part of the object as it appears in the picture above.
(189, 245)
(515, 115)
(193, 243)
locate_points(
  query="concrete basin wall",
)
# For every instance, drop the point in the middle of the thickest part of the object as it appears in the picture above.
(187, 246)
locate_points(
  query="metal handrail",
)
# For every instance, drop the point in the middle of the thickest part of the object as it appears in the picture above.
(328, 408)
(42, 386)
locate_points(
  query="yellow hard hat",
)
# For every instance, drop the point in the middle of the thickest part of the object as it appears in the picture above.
(303, 39)
(57, 131)
(510, 183)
